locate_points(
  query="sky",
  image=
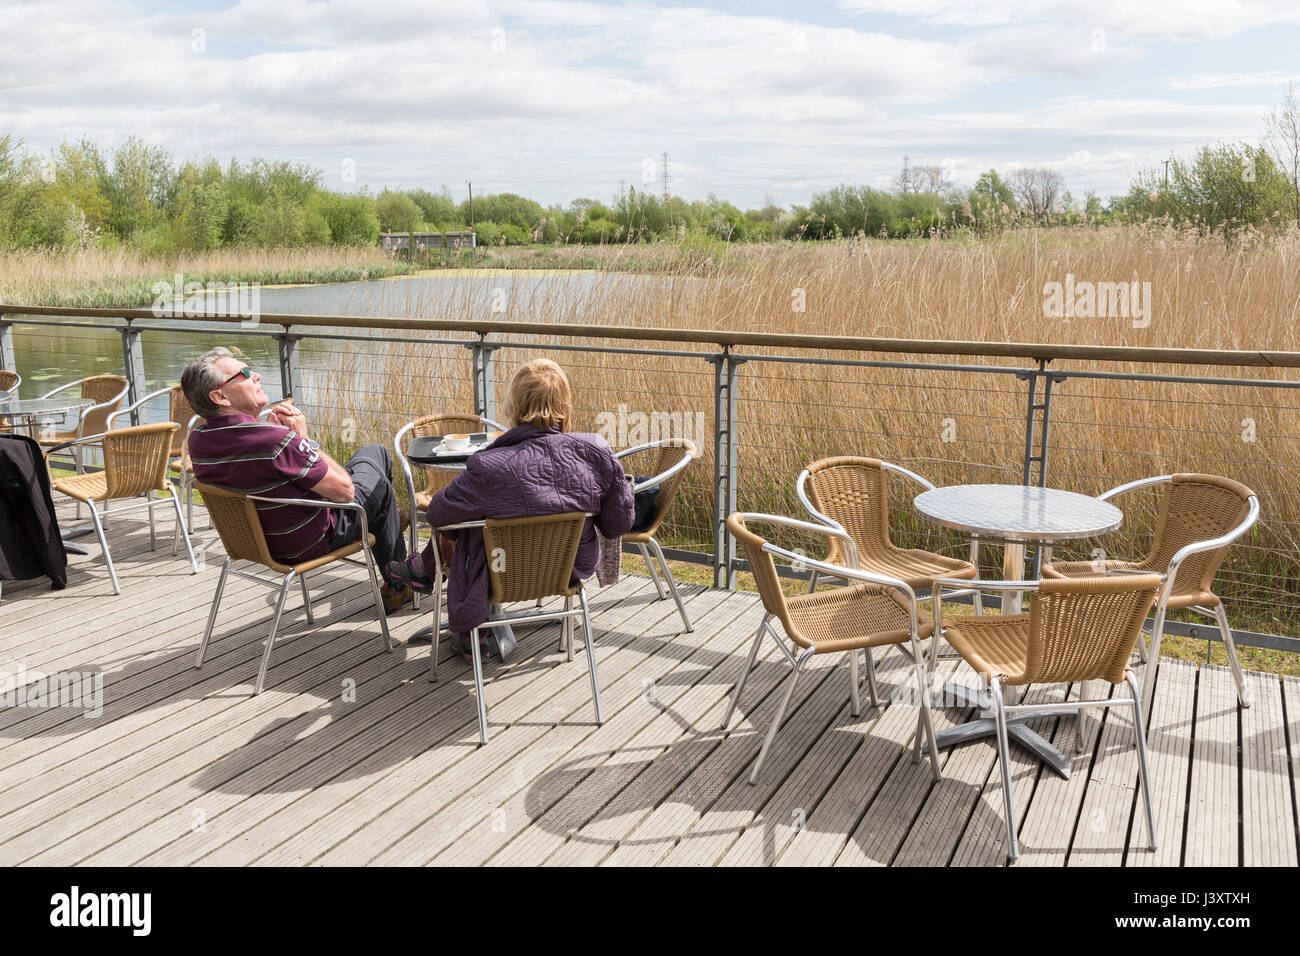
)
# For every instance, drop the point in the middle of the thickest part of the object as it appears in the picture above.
(756, 102)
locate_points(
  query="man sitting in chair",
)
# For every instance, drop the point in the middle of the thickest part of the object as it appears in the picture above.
(233, 449)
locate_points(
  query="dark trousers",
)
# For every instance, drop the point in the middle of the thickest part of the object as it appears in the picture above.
(372, 482)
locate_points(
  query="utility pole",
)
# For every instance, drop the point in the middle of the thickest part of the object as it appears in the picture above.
(663, 175)
(471, 205)
(1166, 172)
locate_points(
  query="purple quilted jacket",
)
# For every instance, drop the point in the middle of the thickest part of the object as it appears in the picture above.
(528, 471)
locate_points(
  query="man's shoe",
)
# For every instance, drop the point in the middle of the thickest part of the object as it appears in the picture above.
(394, 599)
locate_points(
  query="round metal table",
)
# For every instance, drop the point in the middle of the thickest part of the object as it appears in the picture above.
(1017, 515)
(32, 410)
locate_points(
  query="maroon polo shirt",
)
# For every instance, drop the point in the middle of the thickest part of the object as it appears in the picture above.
(241, 453)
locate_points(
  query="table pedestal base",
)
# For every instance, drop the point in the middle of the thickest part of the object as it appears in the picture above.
(987, 726)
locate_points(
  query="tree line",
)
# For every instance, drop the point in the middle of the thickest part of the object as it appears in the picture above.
(137, 196)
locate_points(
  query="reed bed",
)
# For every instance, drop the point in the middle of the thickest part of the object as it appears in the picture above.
(98, 277)
(948, 425)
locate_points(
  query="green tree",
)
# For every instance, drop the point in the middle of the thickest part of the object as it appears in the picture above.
(397, 212)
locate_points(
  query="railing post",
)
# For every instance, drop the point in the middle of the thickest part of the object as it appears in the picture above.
(290, 368)
(726, 418)
(133, 363)
(8, 358)
(1043, 418)
(483, 372)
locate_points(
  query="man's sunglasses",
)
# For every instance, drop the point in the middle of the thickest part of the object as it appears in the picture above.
(246, 372)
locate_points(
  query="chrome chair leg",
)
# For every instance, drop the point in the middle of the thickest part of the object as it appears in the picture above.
(780, 715)
(591, 655)
(855, 703)
(285, 583)
(153, 531)
(1225, 631)
(1004, 758)
(566, 630)
(654, 575)
(437, 624)
(1078, 731)
(812, 581)
(478, 687)
(212, 614)
(306, 599)
(744, 674)
(672, 584)
(1144, 770)
(379, 599)
(103, 543)
(181, 532)
(925, 720)
(872, 688)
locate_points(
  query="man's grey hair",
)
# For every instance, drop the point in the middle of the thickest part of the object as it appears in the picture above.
(200, 377)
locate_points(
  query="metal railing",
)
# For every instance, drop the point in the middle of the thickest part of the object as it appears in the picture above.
(954, 411)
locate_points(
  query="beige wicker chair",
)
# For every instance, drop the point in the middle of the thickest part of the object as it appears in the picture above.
(873, 610)
(178, 411)
(852, 493)
(1200, 517)
(529, 559)
(235, 517)
(107, 392)
(1075, 631)
(671, 457)
(135, 464)
(434, 480)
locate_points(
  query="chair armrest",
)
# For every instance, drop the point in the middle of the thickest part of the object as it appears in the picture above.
(923, 482)
(108, 404)
(1133, 486)
(663, 476)
(61, 388)
(406, 467)
(114, 416)
(495, 425)
(84, 440)
(977, 584)
(308, 503)
(799, 490)
(831, 532)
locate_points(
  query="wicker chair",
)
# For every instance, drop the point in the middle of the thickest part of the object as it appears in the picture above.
(528, 559)
(668, 469)
(434, 479)
(872, 610)
(135, 464)
(1076, 630)
(107, 392)
(1200, 517)
(178, 411)
(852, 494)
(235, 517)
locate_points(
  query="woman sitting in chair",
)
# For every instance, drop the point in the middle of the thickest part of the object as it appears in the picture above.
(536, 468)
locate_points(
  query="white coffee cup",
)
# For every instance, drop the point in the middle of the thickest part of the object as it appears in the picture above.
(455, 442)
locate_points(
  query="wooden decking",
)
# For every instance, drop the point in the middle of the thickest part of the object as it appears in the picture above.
(352, 756)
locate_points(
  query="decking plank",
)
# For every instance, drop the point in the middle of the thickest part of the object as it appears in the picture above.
(1169, 752)
(1213, 810)
(1267, 817)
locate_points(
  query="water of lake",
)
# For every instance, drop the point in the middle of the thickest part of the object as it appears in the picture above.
(48, 356)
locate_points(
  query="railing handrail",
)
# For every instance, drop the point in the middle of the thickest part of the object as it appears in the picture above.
(1253, 358)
